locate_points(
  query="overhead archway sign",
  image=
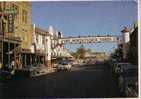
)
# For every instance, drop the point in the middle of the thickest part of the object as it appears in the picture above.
(89, 39)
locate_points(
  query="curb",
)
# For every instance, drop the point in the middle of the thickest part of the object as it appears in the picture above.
(41, 72)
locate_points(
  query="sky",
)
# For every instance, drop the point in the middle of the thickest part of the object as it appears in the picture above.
(86, 18)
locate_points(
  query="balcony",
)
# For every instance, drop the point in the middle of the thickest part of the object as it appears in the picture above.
(11, 38)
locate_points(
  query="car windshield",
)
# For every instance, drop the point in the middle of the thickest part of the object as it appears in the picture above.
(63, 63)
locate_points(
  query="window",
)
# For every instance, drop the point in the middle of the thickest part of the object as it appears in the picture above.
(4, 27)
(23, 36)
(37, 38)
(43, 40)
(15, 9)
(24, 16)
(0, 6)
(4, 5)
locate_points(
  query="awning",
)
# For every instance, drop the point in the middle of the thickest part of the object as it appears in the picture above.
(40, 54)
(15, 40)
(27, 51)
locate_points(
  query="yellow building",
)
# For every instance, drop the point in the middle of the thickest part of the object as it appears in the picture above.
(18, 38)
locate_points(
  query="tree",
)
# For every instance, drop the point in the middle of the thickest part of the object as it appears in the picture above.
(133, 47)
(89, 50)
(80, 52)
(117, 53)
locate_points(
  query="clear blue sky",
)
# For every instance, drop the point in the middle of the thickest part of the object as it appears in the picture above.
(86, 18)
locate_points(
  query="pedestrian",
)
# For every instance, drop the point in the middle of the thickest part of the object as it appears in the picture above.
(12, 63)
(0, 65)
(17, 63)
(12, 66)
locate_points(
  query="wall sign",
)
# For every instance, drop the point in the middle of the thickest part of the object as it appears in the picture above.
(10, 23)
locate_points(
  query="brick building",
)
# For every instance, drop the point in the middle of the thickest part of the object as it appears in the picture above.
(15, 31)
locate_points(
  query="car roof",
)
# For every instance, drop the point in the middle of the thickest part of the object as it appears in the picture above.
(122, 63)
(130, 67)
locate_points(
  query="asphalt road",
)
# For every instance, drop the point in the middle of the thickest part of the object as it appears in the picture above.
(83, 81)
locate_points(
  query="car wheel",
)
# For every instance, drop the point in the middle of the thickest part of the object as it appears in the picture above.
(70, 69)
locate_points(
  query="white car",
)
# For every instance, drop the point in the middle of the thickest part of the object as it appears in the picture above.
(64, 65)
(74, 63)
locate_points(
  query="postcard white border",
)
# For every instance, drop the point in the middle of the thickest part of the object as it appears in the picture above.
(139, 30)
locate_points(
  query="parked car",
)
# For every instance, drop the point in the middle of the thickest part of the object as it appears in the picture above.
(111, 63)
(132, 90)
(64, 65)
(55, 65)
(7, 72)
(117, 67)
(127, 80)
(74, 63)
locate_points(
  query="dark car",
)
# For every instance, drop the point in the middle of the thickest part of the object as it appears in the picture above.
(128, 79)
(7, 72)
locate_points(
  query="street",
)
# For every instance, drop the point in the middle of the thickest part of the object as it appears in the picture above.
(82, 81)
(82, 49)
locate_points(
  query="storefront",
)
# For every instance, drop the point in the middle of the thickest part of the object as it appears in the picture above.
(26, 58)
(9, 50)
(40, 57)
(29, 59)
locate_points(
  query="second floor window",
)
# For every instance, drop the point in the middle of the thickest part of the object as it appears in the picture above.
(0, 6)
(24, 16)
(43, 40)
(37, 38)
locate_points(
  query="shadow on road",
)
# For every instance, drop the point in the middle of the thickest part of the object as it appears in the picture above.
(93, 81)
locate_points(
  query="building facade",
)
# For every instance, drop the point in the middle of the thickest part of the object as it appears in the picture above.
(24, 43)
(56, 46)
(45, 45)
(40, 45)
(16, 31)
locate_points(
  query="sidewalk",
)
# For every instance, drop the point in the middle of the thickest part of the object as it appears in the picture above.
(42, 71)
(48, 70)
